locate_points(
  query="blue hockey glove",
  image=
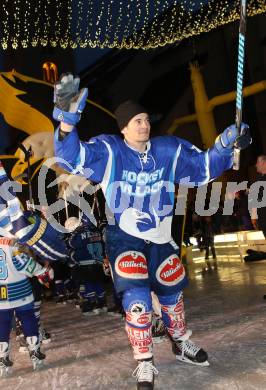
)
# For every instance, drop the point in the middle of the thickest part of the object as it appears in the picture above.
(230, 138)
(69, 101)
(47, 242)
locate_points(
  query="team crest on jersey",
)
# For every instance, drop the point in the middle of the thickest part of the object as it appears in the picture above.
(171, 271)
(132, 265)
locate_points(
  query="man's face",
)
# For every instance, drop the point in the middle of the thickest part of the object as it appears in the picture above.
(261, 165)
(138, 128)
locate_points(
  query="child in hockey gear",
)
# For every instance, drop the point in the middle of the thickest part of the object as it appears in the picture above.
(62, 281)
(138, 177)
(36, 283)
(86, 252)
(16, 297)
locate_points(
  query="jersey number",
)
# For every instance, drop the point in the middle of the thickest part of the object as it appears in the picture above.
(3, 267)
(96, 251)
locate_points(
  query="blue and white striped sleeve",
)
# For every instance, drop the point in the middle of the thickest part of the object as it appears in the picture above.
(12, 220)
(26, 265)
(196, 167)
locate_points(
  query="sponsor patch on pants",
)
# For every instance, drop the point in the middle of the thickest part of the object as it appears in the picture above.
(132, 265)
(171, 271)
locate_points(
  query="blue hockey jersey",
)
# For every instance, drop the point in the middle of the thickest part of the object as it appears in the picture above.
(139, 187)
(86, 247)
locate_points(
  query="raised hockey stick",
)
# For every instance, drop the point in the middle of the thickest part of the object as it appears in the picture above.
(240, 76)
(28, 153)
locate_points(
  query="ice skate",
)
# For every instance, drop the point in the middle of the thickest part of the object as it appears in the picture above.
(188, 352)
(37, 357)
(144, 374)
(100, 307)
(87, 308)
(5, 362)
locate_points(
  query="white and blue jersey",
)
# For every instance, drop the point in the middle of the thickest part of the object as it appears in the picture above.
(15, 268)
(139, 187)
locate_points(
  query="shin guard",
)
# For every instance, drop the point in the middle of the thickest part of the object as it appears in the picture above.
(173, 314)
(138, 307)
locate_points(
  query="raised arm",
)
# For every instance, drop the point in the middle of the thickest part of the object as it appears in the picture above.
(88, 158)
(198, 167)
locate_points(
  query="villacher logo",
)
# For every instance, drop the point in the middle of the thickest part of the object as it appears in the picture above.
(132, 265)
(171, 271)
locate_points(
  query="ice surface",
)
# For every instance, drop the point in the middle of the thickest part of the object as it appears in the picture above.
(224, 308)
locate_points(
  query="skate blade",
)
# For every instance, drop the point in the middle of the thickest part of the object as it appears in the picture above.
(185, 360)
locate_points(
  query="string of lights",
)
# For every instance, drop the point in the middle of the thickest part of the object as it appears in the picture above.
(137, 24)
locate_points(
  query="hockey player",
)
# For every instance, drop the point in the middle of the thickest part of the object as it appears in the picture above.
(87, 254)
(15, 290)
(137, 176)
(16, 297)
(36, 284)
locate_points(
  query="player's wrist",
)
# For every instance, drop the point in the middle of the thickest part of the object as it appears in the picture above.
(65, 127)
(63, 130)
